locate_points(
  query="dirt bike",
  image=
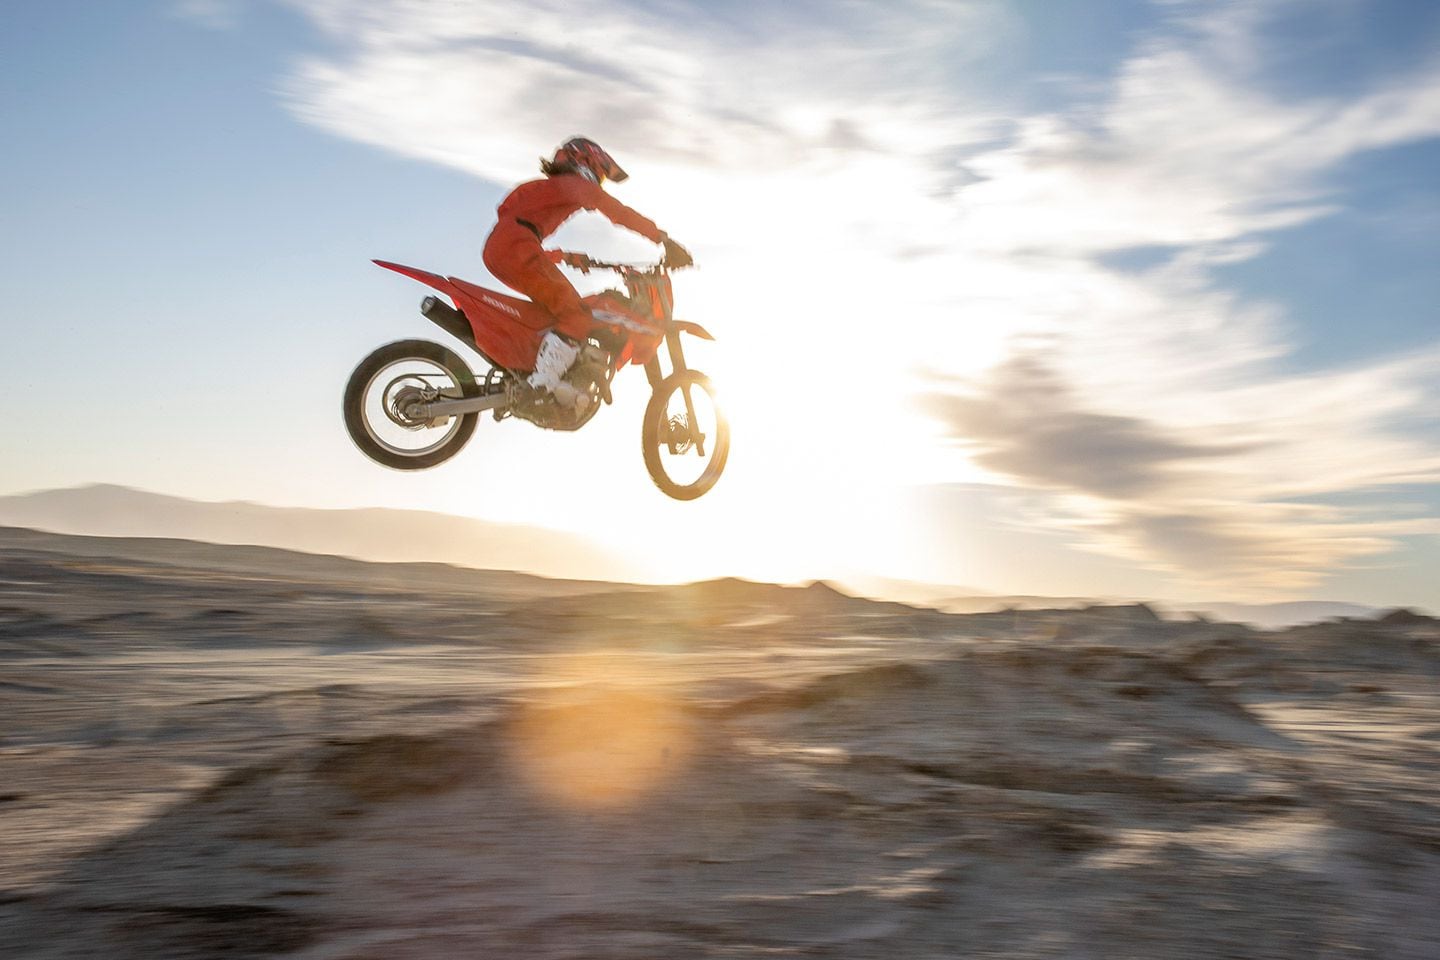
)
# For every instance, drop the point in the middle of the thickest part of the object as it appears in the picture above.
(414, 404)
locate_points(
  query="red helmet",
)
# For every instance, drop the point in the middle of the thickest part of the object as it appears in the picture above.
(586, 155)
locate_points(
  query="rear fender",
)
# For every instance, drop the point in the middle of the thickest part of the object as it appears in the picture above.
(440, 283)
(505, 330)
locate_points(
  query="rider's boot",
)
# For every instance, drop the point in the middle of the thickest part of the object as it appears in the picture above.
(557, 355)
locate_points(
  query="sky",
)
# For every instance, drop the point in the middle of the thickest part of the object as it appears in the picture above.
(1128, 298)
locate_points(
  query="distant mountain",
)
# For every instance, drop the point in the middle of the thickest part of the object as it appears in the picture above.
(909, 591)
(413, 536)
(989, 601)
(1274, 616)
(1266, 616)
(275, 563)
(392, 536)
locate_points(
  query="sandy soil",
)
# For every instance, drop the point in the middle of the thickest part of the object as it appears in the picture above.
(235, 756)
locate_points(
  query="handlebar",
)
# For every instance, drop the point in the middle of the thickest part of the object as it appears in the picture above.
(584, 263)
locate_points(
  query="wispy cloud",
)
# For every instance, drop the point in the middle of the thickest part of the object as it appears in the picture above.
(214, 14)
(1220, 504)
(1027, 424)
(1187, 148)
(733, 87)
(1152, 411)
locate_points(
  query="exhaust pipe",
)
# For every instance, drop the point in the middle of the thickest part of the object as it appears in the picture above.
(447, 318)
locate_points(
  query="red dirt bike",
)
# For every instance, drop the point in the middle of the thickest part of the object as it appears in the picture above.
(413, 404)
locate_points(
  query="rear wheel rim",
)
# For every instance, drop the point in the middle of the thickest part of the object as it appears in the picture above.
(383, 412)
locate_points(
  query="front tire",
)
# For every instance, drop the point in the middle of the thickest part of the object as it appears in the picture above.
(685, 442)
(378, 395)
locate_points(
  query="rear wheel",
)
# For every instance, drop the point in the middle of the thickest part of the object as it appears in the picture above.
(686, 439)
(384, 392)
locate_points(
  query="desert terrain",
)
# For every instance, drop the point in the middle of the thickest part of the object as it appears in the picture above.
(212, 751)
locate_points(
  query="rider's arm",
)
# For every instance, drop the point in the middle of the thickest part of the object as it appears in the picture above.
(617, 213)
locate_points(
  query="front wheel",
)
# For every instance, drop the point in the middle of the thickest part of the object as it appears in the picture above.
(685, 437)
(385, 393)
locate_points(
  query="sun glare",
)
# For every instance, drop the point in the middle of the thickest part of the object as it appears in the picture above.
(601, 732)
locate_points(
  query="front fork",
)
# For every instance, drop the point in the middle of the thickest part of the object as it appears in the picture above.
(677, 365)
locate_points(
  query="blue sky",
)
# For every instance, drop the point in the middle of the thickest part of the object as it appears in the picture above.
(1126, 298)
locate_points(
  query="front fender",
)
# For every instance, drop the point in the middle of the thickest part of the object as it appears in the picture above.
(685, 326)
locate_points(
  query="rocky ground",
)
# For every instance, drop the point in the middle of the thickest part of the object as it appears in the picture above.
(222, 752)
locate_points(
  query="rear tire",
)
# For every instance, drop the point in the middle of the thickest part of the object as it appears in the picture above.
(672, 444)
(377, 423)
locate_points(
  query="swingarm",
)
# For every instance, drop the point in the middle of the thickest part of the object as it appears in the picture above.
(455, 408)
(423, 411)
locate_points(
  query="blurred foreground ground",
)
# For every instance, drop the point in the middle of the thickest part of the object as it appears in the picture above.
(219, 751)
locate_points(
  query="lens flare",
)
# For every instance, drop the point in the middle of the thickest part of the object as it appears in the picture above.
(600, 747)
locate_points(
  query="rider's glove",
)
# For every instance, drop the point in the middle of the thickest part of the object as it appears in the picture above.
(676, 255)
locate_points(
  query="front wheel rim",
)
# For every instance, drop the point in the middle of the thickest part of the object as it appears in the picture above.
(686, 443)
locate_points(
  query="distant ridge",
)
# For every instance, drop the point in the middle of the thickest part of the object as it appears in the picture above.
(387, 536)
(442, 542)
(275, 563)
(1271, 616)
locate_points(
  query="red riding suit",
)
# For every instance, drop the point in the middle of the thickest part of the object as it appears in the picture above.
(532, 212)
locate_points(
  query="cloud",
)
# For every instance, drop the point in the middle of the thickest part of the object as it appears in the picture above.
(1187, 150)
(1243, 551)
(1028, 425)
(212, 14)
(1235, 500)
(479, 85)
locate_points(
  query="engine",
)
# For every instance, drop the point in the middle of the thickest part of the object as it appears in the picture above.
(590, 374)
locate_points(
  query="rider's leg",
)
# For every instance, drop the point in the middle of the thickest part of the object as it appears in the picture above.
(557, 354)
(526, 268)
(547, 286)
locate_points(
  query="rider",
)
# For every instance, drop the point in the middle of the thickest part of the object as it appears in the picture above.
(532, 212)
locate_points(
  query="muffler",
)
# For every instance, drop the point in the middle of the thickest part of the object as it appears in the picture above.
(447, 318)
